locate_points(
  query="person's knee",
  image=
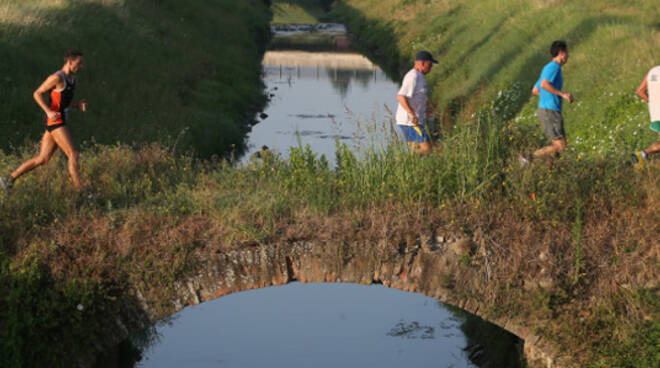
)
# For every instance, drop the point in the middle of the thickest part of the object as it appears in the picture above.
(654, 148)
(425, 148)
(73, 156)
(559, 144)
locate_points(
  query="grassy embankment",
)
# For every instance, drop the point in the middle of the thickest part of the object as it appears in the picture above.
(590, 202)
(299, 11)
(184, 74)
(585, 227)
(155, 71)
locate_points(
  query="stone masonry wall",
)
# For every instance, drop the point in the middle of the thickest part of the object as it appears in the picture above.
(422, 269)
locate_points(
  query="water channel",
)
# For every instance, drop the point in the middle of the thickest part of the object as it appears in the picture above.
(323, 98)
(325, 325)
(319, 99)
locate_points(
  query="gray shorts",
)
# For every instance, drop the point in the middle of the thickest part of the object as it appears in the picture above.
(552, 122)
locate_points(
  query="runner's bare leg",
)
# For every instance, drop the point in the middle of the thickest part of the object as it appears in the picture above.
(46, 151)
(654, 148)
(64, 141)
(557, 146)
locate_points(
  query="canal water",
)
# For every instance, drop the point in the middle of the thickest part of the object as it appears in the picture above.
(321, 99)
(324, 325)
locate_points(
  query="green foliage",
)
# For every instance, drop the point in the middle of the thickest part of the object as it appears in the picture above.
(298, 11)
(168, 71)
(637, 347)
(46, 324)
(502, 58)
(483, 126)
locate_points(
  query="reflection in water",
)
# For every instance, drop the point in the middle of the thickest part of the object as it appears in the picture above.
(487, 344)
(326, 325)
(341, 79)
(334, 95)
(412, 330)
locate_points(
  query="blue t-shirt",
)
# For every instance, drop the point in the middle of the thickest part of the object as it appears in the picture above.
(547, 100)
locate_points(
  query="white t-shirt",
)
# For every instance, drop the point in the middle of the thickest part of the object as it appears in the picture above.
(413, 87)
(653, 81)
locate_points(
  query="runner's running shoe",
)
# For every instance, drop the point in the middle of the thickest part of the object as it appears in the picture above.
(523, 160)
(638, 160)
(6, 183)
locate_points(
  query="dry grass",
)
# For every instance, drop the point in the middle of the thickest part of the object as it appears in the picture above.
(157, 216)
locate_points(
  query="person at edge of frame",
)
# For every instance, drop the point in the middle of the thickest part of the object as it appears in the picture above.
(649, 91)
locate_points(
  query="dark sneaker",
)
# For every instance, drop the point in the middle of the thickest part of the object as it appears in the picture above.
(638, 160)
(6, 183)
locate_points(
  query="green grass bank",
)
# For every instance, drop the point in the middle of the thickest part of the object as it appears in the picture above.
(572, 245)
(185, 74)
(299, 11)
(491, 53)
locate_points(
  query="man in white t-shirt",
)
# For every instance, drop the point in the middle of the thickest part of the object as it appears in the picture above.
(413, 100)
(649, 91)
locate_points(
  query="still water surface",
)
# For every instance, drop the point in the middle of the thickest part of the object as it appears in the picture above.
(318, 98)
(313, 325)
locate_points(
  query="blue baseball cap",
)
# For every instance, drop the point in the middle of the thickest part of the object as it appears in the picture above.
(425, 56)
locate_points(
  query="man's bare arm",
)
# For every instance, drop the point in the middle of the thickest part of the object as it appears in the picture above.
(642, 90)
(536, 91)
(403, 100)
(50, 83)
(546, 85)
(80, 105)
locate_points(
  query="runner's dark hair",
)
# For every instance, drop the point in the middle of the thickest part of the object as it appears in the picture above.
(556, 47)
(72, 54)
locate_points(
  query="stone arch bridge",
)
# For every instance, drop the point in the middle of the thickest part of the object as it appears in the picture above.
(422, 269)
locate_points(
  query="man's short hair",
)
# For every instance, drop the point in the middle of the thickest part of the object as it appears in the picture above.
(72, 55)
(556, 47)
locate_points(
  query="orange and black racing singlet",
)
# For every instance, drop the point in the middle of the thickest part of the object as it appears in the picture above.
(60, 99)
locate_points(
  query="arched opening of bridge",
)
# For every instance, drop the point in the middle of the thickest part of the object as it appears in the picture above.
(322, 325)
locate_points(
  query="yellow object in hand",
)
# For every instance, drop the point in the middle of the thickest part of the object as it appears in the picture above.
(419, 131)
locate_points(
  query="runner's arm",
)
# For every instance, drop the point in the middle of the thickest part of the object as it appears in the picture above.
(403, 100)
(642, 90)
(546, 85)
(50, 83)
(80, 105)
(536, 91)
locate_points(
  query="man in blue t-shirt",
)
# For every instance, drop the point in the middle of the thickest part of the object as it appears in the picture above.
(548, 88)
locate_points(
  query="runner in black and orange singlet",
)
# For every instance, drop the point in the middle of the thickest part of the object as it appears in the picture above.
(60, 87)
